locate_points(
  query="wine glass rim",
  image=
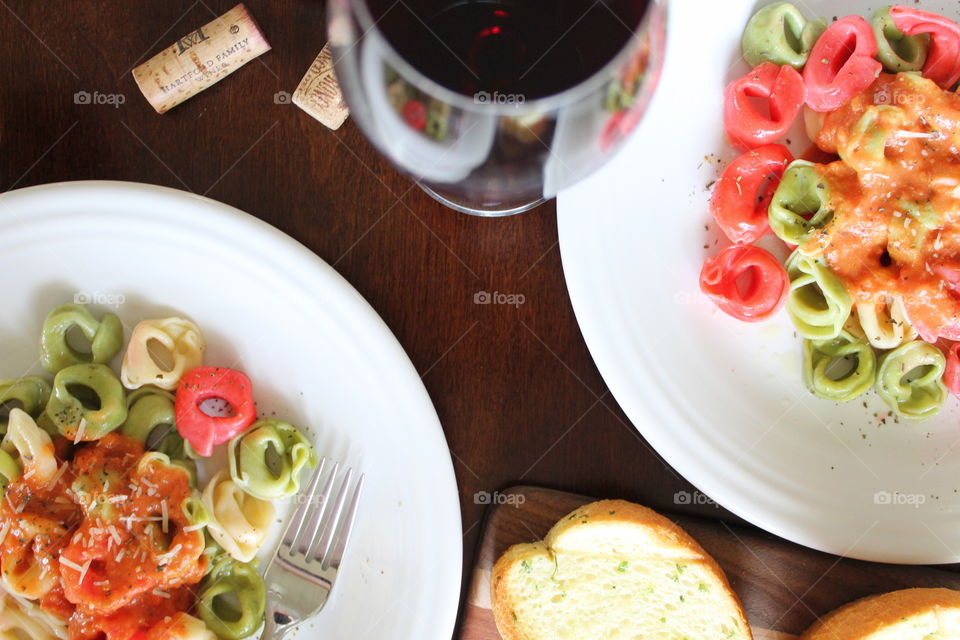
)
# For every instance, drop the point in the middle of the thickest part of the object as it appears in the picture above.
(542, 104)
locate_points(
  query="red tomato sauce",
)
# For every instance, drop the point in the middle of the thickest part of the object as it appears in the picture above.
(119, 560)
(895, 231)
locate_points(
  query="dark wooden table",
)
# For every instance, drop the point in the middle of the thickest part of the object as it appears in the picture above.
(515, 388)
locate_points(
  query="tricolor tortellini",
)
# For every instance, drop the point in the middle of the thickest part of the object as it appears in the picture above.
(910, 379)
(30, 392)
(179, 336)
(897, 51)
(239, 522)
(266, 460)
(779, 33)
(884, 323)
(150, 419)
(28, 446)
(818, 303)
(840, 368)
(865, 149)
(31, 569)
(87, 402)
(800, 204)
(105, 336)
(239, 582)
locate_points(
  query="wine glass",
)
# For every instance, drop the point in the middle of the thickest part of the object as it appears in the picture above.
(493, 106)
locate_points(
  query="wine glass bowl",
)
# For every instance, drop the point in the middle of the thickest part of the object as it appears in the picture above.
(493, 106)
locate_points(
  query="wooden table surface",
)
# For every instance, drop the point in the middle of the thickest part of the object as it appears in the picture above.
(518, 394)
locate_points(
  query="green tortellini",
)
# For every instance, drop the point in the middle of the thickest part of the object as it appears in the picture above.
(839, 369)
(910, 379)
(896, 50)
(865, 149)
(266, 460)
(195, 512)
(31, 392)
(801, 203)
(105, 336)
(818, 302)
(9, 469)
(150, 419)
(232, 599)
(779, 33)
(87, 400)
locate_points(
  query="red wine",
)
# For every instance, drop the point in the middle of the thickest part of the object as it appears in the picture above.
(530, 48)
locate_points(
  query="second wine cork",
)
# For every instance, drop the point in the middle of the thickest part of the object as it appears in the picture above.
(319, 94)
(200, 59)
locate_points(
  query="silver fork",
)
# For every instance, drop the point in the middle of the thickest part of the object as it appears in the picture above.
(301, 573)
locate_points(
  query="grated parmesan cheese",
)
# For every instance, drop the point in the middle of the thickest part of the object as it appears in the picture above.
(164, 558)
(83, 574)
(80, 429)
(161, 594)
(70, 564)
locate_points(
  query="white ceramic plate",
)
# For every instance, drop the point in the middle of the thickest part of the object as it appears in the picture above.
(722, 400)
(317, 354)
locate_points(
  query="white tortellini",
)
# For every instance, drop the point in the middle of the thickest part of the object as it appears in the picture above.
(30, 571)
(238, 521)
(884, 323)
(181, 337)
(31, 446)
(21, 619)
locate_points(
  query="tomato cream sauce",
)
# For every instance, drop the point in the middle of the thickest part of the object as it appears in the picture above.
(109, 530)
(895, 194)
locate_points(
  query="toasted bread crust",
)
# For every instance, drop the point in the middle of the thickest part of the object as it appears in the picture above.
(868, 615)
(502, 611)
(619, 511)
(623, 511)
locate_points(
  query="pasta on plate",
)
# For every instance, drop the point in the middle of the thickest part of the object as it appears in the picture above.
(870, 213)
(104, 532)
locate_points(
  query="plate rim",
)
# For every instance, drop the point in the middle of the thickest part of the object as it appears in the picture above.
(591, 295)
(437, 617)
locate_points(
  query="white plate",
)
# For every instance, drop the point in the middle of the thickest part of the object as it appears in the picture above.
(318, 356)
(722, 400)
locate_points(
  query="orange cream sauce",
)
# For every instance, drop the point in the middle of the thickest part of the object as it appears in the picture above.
(895, 193)
(105, 515)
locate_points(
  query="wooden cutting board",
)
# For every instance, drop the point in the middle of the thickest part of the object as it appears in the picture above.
(783, 586)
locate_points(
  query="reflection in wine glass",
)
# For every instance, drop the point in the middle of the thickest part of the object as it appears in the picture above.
(495, 105)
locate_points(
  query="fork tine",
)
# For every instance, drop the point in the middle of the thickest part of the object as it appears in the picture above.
(322, 545)
(296, 522)
(305, 539)
(344, 530)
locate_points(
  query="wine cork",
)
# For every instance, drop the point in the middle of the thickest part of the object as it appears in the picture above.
(200, 59)
(319, 94)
